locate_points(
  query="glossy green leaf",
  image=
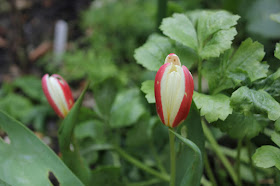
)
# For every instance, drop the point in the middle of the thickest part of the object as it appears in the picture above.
(126, 109)
(153, 53)
(72, 157)
(277, 51)
(180, 28)
(29, 158)
(240, 126)
(248, 101)
(267, 156)
(213, 107)
(258, 18)
(148, 88)
(230, 69)
(188, 172)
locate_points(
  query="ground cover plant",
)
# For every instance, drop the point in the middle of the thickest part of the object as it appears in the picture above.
(103, 121)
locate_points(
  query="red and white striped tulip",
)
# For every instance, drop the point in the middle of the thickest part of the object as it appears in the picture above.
(173, 91)
(58, 94)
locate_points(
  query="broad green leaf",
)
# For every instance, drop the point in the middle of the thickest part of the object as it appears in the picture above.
(247, 101)
(240, 126)
(31, 86)
(267, 156)
(188, 172)
(209, 33)
(271, 84)
(180, 28)
(277, 51)
(72, 157)
(230, 69)
(94, 129)
(153, 53)
(148, 88)
(29, 158)
(213, 107)
(277, 125)
(11, 104)
(106, 175)
(215, 31)
(126, 109)
(275, 17)
(258, 18)
(275, 137)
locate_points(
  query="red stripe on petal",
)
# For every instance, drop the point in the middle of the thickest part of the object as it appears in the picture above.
(157, 91)
(48, 96)
(187, 100)
(66, 91)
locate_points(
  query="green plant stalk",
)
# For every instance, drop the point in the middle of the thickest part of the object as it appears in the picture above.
(239, 145)
(248, 143)
(161, 11)
(219, 153)
(209, 171)
(172, 158)
(206, 161)
(140, 165)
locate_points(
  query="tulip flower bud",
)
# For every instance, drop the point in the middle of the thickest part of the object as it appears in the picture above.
(58, 94)
(173, 91)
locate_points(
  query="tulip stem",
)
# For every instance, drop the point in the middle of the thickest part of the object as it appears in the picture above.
(172, 158)
(239, 145)
(249, 148)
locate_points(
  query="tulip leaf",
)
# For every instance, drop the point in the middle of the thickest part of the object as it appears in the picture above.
(248, 101)
(209, 33)
(126, 109)
(180, 28)
(27, 160)
(275, 17)
(153, 53)
(148, 88)
(277, 51)
(72, 157)
(267, 156)
(213, 107)
(239, 126)
(232, 68)
(188, 172)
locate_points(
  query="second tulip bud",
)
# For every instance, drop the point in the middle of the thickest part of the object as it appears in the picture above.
(173, 91)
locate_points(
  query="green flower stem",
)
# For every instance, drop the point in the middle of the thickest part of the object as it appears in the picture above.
(248, 143)
(161, 11)
(239, 145)
(209, 171)
(172, 158)
(219, 153)
(140, 165)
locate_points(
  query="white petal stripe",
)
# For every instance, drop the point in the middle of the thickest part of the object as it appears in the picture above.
(57, 95)
(172, 92)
